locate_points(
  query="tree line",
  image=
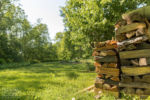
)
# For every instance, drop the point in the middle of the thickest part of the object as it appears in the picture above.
(86, 21)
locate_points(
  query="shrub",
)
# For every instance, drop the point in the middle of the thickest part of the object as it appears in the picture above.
(90, 67)
(34, 61)
(72, 75)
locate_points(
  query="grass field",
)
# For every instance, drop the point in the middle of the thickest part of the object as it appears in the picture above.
(45, 81)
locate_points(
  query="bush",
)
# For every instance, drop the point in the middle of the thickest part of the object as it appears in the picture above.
(90, 67)
(34, 61)
(72, 75)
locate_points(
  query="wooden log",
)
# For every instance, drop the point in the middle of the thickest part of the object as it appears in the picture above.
(126, 79)
(111, 47)
(128, 90)
(130, 27)
(144, 79)
(148, 61)
(121, 37)
(106, 59)
(143, 45)
(134, 71)
(140, 31)
(115, 79)
(107, 53)
(148, 29)
(139, 92)
(108, 81)
(135, 85)
(135, 62)
(137, 15)
(127, 47)
(109, 71)
(99, 85)
(142, 61)
(130, 34)
(106, 86)
(112, 65)
(125, 62)
(135, 40)
(147, 92)
(135, 54)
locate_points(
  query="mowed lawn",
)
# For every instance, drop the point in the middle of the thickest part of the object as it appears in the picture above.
(46, 81)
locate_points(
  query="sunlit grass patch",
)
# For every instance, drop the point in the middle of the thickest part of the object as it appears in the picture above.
(44, 81)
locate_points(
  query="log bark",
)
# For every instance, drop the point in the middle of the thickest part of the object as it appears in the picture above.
(109, 71)
(135, 71)
(135, 54)
(130, 34)
(137, 15)
(135, 40)
(130, 27)
(139, 92)
(106, 59)
(128, 90)
(135, 85)
(143, 45)
(126, 79)
(144, 79)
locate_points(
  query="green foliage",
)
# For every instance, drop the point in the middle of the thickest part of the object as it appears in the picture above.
(19, 40)
(72, 75)
(90, 67)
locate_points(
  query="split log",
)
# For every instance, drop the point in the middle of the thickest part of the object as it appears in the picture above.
(127, 47)
(130, 27)
(115, 79)
(148, 61)
(148, 29)
(135, 40)
(139, 92)
(112, 65)
(125, 62)
(111, 47)
(126, 79)
(108, 81)
(105, 44)
(130, 34)
(107, 53)
(143, 45)
(106, 59)
(134, 71)
(135, 54)
(142, 61)
(106, 87)
(109, 71)
(135, 62)
(140, 32)
(121, 37)
(144, 79)
(128, 90)
(137, 15)
(135, 85)
(147, 92)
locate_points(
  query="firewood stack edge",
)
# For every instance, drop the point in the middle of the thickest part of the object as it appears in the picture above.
(123, 66)
(107, 67)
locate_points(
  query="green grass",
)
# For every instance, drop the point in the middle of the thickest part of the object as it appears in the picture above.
(45, 81)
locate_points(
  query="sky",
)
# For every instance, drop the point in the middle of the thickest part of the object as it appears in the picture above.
(48, 11)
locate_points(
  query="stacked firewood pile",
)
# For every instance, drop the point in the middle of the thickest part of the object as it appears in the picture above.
(132, 34)
(107, 67)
